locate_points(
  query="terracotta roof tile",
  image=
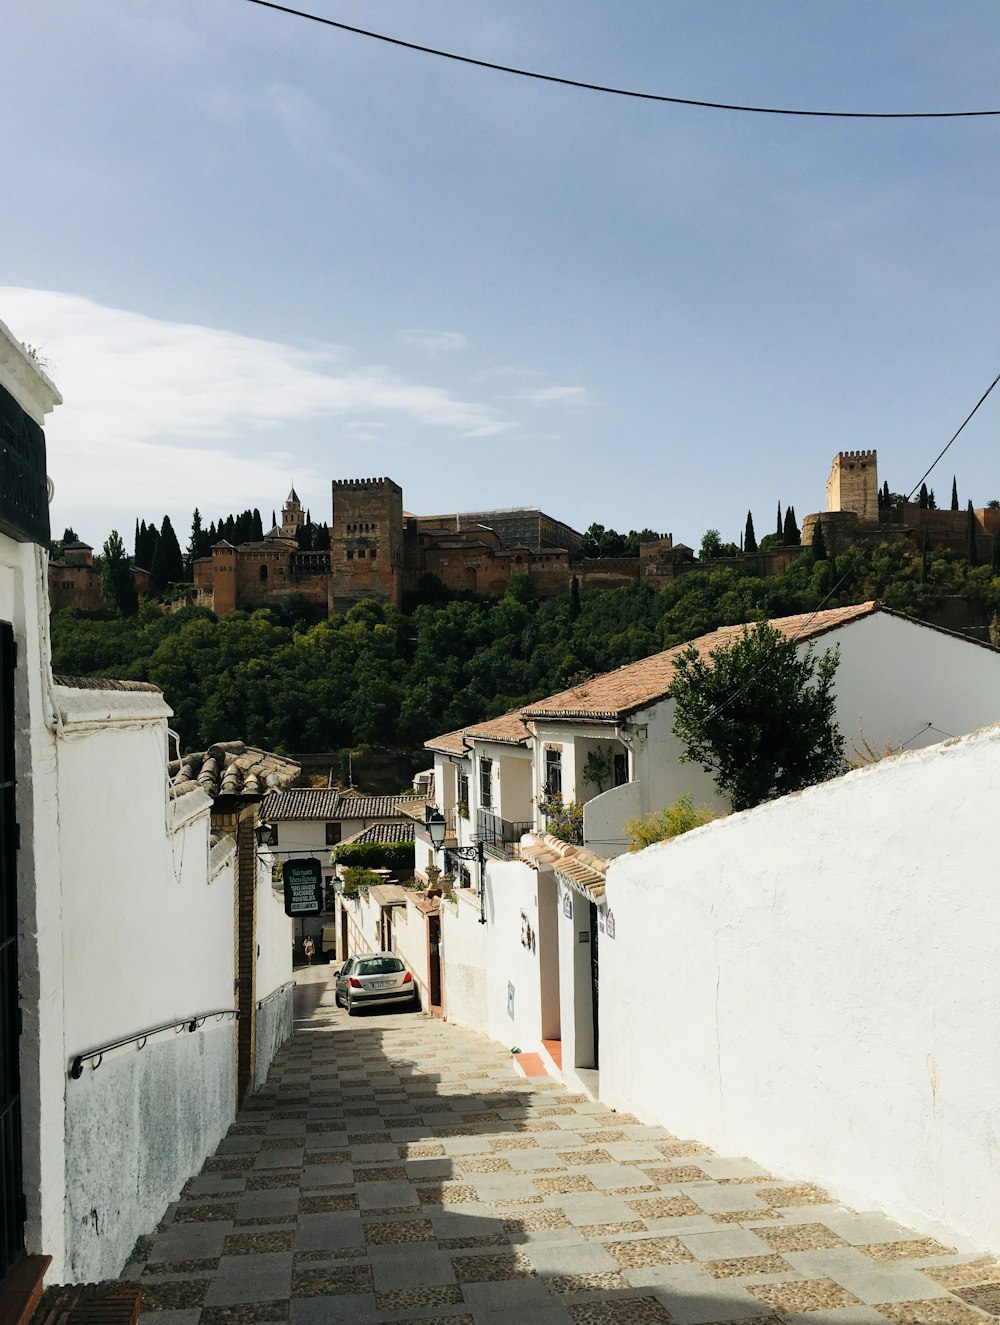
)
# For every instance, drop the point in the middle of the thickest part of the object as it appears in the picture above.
(578, 867)
(617, 694)
(509, 729)
(231, 768)
(452, 743)
(103, 683)
(400, 831)
(330, 803)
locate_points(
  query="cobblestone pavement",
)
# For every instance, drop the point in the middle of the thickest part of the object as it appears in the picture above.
(395, 1168)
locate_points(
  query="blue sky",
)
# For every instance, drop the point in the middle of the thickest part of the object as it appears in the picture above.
(254, 250)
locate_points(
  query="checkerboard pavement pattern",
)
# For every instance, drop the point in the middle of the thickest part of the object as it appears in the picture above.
(394, 1168)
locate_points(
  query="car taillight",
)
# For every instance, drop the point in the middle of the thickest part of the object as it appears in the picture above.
(407, 978)
(355, 984)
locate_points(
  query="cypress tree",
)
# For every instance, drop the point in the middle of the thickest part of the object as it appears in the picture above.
(574, 599)
(971, 542)
(886, 494)
(924, 497)
(136, 542)
(117, 584)
(780, 528)
(791, 533)
(749, 538)
(954, 493)
(273, 520)
(258, 527)
(168, 564)
(819, 542)
(321, 540)
(931, 500)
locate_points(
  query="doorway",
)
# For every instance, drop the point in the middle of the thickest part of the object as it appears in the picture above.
(434, 960)
(595, 982)
(11, 1184)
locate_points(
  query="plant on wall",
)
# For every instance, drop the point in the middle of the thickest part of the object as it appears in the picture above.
(669, 822)
(597, 769)
(563, 819)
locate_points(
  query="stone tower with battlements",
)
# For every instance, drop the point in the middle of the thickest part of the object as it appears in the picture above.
(366, 542)
(853, 484)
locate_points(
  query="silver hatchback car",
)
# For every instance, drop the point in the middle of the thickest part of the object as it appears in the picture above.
(372, 978)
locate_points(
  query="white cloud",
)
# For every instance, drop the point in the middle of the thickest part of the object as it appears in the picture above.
(575, 396)
(434, 342)
(159, 412)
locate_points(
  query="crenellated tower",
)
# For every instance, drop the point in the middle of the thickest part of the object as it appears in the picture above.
(366, 542)
(853, 484)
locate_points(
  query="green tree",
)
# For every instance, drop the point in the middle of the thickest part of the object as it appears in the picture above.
(711, 545)
(954, 493)
(168, 564)
(924, 497)
(793, 536)
(779, 528)
(971, 541)
(749, 538)
(117, 584)
(819, 542)
(574, 599)
(758, 716)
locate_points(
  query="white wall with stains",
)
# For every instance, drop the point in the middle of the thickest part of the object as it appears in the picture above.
(816, 984)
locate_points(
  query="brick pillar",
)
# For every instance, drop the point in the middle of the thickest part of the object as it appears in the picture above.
(246, 948)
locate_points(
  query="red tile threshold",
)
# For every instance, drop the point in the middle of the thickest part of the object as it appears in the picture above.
(554, 1050)
(530, 1065)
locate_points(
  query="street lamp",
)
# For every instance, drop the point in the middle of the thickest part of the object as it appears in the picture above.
(437, 830)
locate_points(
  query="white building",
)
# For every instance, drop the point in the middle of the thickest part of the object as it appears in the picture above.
(118, 1052)
(899, 682)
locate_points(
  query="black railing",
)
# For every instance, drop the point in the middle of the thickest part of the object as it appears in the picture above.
(500, 837)
(96, 1056)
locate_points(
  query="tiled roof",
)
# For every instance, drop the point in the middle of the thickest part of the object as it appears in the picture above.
(509, 729)
(578, 867)
(231, 768)
(617, 694)
(452, 743)
(330, 803)
(103, 683)
(430, 906)
(415, 809)
(400, 831)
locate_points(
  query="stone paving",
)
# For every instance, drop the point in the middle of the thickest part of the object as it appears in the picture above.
(395, 1168)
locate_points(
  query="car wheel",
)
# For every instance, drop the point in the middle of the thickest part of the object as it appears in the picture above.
(336, 998)
(351, 1009)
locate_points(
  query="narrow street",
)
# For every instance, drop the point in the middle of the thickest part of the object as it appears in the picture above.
(395, 1168)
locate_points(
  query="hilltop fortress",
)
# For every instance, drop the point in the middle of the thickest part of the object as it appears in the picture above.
(380, 551)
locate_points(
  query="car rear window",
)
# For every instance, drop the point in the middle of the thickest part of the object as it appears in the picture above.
(379, 966)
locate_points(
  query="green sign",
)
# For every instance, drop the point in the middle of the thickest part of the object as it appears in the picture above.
(303, 881)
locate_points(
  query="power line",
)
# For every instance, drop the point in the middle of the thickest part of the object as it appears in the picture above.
(955, 436)
(621, 91)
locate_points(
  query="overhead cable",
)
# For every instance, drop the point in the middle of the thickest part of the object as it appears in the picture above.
(622, 91)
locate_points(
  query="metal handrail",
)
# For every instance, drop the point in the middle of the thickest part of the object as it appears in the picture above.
(96, 1056)
(274, 993)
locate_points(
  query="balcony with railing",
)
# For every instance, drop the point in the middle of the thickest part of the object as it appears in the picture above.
(500, 837)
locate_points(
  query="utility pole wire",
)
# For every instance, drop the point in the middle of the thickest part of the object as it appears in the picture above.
(955, 437)
(621, 91)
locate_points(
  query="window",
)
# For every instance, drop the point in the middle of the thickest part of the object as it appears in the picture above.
(486, 783)
(350, 555)
(553, 772)
(621, 770)
(361, 553)
(463, 794)
(333, 835)
(371, 554)
(379, 966)
(263, 572)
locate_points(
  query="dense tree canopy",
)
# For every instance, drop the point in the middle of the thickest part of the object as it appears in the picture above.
(377, 676)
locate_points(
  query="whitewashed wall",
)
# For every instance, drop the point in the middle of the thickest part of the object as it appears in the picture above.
(24, 604)
(463, 958)
(825, 971)
(409, 943)
(273, 975)
(146, 939)
(512, 969)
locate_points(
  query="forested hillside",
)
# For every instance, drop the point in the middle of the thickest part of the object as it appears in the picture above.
(376, 676)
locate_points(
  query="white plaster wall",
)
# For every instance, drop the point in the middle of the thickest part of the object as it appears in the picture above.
(826, 974)
(604, 819)
(576, 1001)
(409, 943)
(512, 890)
(463, 960)
(274, 936)
(24, 604)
